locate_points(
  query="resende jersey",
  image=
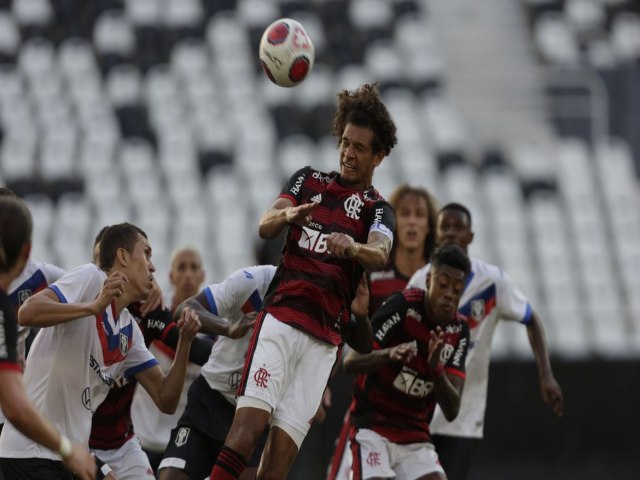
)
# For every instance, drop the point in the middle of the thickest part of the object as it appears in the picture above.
(312, 290)
(111, 425)
(489, 295)
(397, 400)
(240, 293)
(72, 366)
(35, 277)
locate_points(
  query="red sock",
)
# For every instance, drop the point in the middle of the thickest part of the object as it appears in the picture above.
(229, 465)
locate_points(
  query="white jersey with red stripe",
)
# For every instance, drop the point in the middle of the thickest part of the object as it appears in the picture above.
(35, 277)
(241, 292)
(72, 366)
(489, 295)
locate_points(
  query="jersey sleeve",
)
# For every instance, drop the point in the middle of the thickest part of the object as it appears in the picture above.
(139, 358)
(52, 272)
(157, 324)
(237, 292)
(383, 220)
(293, 188)
(82, 284)
(455, 364)
(512, 303)
(387, 320)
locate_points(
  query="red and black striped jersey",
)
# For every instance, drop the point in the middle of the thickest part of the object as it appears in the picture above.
(383, 283)
(397, 400)
(312, 290)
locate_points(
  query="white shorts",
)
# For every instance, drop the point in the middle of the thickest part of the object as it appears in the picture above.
(288, 373)
(129, 462)
(380, 458)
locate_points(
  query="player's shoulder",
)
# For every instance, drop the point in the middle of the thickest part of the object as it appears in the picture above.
(482, 269)
(413, 294)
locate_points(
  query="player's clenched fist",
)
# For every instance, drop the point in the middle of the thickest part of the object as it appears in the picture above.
(342, 245)
(112, 287)
(189, 324)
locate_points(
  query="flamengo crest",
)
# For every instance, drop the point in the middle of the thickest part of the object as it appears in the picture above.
(352, 206)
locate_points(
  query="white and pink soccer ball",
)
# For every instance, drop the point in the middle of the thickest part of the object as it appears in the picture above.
(286, 52)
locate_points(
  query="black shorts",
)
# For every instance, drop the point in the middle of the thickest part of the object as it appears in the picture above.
(39, 469)
(34, 469)
(201, 431)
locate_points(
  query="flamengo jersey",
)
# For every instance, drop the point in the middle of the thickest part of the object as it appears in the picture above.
(397, 400)
(312, 290)
(489, 295)
(71, 366)
(383, 283)
(241, 292)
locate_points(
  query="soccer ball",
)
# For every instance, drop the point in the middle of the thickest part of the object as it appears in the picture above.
(286, 52)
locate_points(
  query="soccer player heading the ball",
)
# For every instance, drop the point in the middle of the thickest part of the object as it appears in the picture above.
(338, 226)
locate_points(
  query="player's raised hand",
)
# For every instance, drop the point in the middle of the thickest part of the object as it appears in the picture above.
(342, 245)
(189, 324)
(240, 328)
(112, 287)
(153, 300)
(552, 394)
(403, 353)
(301, 214)
(436, 343)
(80, 462)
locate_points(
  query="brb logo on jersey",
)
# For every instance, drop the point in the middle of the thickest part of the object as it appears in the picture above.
(353, 206)
(410, 384)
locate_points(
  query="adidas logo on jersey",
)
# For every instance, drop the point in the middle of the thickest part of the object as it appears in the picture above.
(317, 198)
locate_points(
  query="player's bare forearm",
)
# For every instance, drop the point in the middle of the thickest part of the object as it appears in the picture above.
(45, 310)
(537, 339)
(272, 223)
(549, 387)
(362, 363)
(372, 255)
(448, 390)
(211, 324)
(359, 336)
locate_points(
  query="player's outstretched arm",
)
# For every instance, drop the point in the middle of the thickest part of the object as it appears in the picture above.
(29, 421)
(549, 387)
(44, 309)
(372, 255)
(359, 333)
(165, 390)
(355, 362)
(212, 323)
(282, 213)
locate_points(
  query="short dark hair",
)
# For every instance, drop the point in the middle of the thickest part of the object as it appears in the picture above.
(458, 207)
(122, 235)
(363, 107)
(452, 256)
(403, 190)
(16, 227)
(7, 192)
